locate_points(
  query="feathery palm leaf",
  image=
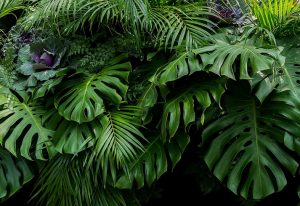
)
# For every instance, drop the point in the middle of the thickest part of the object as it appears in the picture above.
(153, 162)
(119, 142)
(65, 182)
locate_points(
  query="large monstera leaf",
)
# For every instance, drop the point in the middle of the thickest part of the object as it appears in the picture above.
(184, 104)
(247, 150)
(14, 173)
(236, 59)
(71, 137)
(153, 162)
(22, 131)
(82, 98)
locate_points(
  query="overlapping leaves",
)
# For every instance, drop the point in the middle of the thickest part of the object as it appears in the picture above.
(22, 131)
(153, 161)
(82, 99)
(184, 104)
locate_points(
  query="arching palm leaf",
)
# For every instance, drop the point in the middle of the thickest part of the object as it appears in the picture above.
(153, 162)
(66, 182)
(14, 173)
(247, 150)
(119, 142)
(20, 121)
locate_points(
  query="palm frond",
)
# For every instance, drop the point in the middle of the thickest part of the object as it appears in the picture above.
(119, 142)
(66, 182)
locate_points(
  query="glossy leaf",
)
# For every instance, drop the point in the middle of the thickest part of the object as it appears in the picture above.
(181, 65)
(82, 98)
(184, 104)
(236, 59)
(14, 173)
(247, 150)
(21, 123)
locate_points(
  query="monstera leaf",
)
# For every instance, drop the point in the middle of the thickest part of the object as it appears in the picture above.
(181, 65)
(82, 98)
(14, 173)
(153, 162)
(71, 137)
(247, 150)
(183, 105)
(291, 74)
(22, 131)
(236, 60)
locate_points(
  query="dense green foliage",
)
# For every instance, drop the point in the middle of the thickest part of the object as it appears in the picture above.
(100, 98)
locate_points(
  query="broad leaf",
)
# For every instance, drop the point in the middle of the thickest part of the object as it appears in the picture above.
(291, 74)
(14, 173)
(82, 98)
(236, 59)
(181, 65)
(184, 104)
(247, 150)
(153, 162)
(71, 137)
(22, 131)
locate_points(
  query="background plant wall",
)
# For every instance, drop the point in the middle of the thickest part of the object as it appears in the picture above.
(101, 99)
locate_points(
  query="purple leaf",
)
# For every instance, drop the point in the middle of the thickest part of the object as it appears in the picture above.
(47, 59)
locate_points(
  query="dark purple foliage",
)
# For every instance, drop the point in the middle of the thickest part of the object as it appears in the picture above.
(44, 58)
(47, 59)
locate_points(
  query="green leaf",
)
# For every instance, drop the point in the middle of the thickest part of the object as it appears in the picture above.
(21, 126)
(291, 75)
(184, 104)
(153, 161)
(119, 142)
(236, 59)
(247, 150)
(65, 181)
(82, 99)
(181, 65)
(14, 173)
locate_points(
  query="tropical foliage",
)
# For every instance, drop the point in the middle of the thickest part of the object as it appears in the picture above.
(100, 98)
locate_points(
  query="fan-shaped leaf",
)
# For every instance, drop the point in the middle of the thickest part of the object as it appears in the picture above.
(119, 142)
(20, 122)
(14, 173)
(82, 98)
(247, 151)
(66, 182)
(153, 162)
(183, 105)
